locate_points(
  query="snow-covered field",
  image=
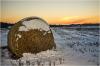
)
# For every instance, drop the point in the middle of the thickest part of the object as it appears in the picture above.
(78, 47)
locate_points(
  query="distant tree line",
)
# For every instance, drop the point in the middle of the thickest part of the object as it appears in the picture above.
(74, 25)
(7, 25)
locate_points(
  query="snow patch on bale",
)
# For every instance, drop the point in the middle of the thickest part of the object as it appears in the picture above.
(34, 24)
(18, 36)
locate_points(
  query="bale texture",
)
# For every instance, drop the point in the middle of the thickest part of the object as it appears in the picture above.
(30, 38)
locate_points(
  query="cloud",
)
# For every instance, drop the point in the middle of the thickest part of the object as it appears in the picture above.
(81, 20)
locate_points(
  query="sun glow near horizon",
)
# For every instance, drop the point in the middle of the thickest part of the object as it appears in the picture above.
(80, 20)
(61, 20)
(54, 12)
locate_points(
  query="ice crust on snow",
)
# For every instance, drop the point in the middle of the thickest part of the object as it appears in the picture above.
(34, 24)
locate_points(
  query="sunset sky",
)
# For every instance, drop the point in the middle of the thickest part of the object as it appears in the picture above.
(53, 11)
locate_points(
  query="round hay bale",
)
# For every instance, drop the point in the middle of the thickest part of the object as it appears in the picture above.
(30, 35)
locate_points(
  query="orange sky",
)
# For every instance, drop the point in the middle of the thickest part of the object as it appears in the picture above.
(53, 11)
(61, 20)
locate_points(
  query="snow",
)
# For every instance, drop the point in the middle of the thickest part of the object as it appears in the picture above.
(43, 58)
(43, 54)
(3, 37)
(78, 48)
(49, 31)
(18, 36)
(34, 24)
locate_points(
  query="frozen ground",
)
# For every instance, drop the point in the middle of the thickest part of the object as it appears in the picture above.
(79, 47)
